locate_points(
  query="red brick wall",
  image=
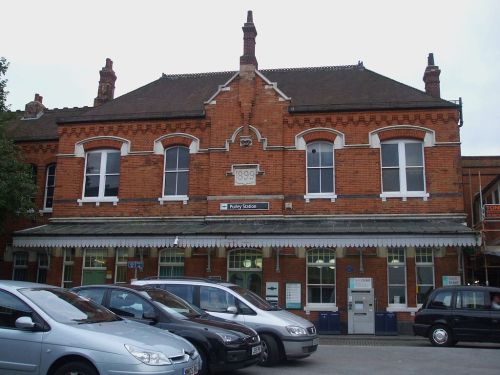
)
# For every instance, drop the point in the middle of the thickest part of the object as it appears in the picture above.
(357, 169)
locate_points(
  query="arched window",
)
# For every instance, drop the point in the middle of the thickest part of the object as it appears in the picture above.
(402, 168)
(102, 174)
(171, 262)
(50, 183)
(321, 276)
(176, 171)
(320, 170)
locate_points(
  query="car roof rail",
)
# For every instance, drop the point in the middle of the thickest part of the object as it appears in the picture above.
(210, 279)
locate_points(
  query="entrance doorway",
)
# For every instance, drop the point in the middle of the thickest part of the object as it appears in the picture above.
(245, 269)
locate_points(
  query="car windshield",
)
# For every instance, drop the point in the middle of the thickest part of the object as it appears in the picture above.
(253, 298)
(67, 307)
(174, 305)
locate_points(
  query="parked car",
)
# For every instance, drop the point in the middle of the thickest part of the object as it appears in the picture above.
(223, 345)
(283, 334)
(461, 313)
(49, 330)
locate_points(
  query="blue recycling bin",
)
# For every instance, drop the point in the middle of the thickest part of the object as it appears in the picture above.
(328, 323)
(386, 323)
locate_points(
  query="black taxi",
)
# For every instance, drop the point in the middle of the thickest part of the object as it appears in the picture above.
(459, 313)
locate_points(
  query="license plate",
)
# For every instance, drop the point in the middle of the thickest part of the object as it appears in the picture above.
(315, 341)
(190, 371)
(256, 349)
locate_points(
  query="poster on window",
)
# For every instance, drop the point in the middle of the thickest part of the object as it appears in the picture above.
(293, 296)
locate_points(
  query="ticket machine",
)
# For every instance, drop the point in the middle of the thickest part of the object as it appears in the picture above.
(360, 306)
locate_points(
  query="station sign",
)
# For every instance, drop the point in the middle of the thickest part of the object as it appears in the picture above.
(246, 206)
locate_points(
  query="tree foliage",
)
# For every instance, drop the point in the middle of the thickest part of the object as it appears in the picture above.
(17, 187)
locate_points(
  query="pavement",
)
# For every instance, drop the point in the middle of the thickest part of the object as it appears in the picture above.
(372, 340)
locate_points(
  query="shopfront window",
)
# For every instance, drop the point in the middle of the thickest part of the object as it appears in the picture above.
(121, 265)
(424, 263)
(321, 276)
(396, 271)
(68, 262)
(171, 262)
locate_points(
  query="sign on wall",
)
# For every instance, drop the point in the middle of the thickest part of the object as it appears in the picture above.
(360, 283)
(293, 296)
(250, 206)
(452, 280)
(272, 292)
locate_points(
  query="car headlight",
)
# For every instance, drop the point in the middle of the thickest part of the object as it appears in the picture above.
(296, 331)
(148, 357)
(227, 338)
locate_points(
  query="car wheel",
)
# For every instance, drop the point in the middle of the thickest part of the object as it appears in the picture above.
(205, 368)
(76, 368)
(441, 336)
(270, 351)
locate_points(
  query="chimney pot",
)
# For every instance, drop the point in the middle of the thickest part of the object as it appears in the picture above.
(35, 108)
(249, 34)
(431, 78)
(106, 88)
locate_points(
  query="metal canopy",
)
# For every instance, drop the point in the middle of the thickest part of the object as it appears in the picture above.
(249, 233)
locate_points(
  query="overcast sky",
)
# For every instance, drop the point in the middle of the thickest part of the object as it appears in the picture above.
(56, 48)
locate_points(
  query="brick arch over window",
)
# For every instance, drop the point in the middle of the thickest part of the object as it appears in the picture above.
(402, 133)
(319, 135)
(425, 135)
(176, 139)
(104, 142)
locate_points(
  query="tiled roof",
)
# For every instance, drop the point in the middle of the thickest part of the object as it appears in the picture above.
(43, 128)
(321, 89)
(335, 88)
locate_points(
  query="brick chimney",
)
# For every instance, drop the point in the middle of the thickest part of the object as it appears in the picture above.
(34, 109)
(106, 90)
(248, 61)
(431, 78)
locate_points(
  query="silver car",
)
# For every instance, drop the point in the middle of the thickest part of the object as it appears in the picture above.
(51, 331)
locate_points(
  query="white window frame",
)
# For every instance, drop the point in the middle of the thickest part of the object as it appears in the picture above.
(315, 306)
(41, 266)
(47, 175)
(330, 195)
(177, 197)
(101, 198)
(68, 260)
(403, 192)
(121, 253)
(424, 264)
(16, 265)
(171, 264)
(401, 250)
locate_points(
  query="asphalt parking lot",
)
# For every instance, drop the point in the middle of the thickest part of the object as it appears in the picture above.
(389, 355)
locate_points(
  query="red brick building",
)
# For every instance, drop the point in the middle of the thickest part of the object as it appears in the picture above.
(303, 176)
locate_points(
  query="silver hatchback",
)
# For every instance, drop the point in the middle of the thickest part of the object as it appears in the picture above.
(49, 330)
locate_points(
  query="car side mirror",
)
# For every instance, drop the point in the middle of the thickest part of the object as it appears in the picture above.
(26, 323)
(232, 310)
(150, 315)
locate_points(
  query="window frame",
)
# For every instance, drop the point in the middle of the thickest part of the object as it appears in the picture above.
(22, 266)
(321, 195)
(401, 250)
(175, 197)
(120, 263)
(47, 208)
(320, 254)
(426, 265)
(171, 265)
(68, 261)
(42, 267)
(102, 178)
(402, 168)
